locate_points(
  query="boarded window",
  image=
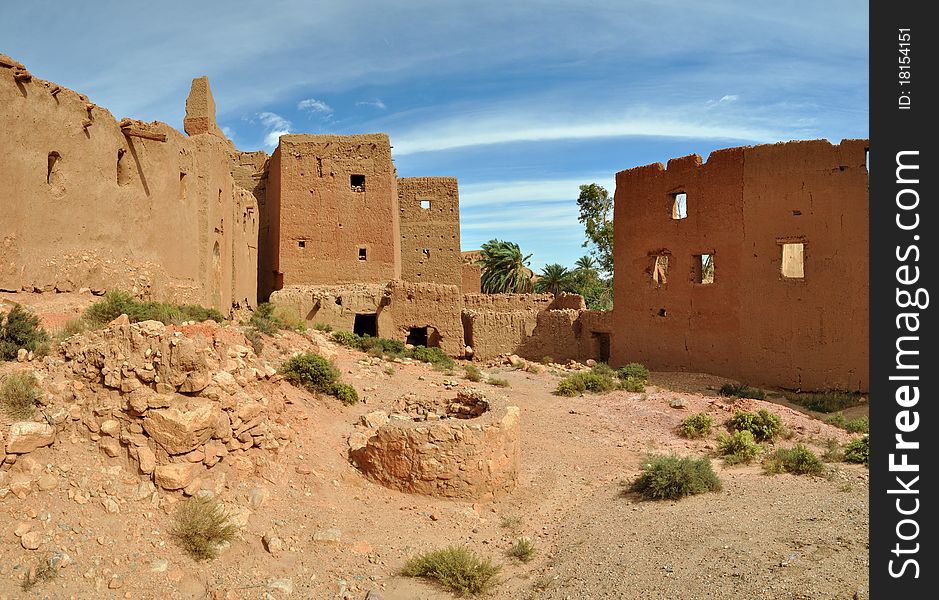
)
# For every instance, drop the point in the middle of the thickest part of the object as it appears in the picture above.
(660, 269)
(703, 266)
(679, 205)
(793, 261)
(357, 183)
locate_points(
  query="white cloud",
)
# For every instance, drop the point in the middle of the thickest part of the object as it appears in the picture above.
(275, 126)
(314, 105)
(728, 98)
(508, 192)
(229, 132)
(376, 103)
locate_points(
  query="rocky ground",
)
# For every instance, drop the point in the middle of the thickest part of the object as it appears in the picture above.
(330, 533)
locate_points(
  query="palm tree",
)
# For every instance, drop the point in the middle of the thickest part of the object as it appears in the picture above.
(554, 279)
(504, 268)
(585, 264)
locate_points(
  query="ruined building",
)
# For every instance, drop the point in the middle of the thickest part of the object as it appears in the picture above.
(753, 265)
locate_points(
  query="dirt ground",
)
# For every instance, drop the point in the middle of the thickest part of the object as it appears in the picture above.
(761, 537)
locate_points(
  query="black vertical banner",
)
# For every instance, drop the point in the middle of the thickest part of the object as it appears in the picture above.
(904, 421)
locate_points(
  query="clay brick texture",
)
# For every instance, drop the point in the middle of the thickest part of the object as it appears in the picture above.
(430, 230)
(753, 265)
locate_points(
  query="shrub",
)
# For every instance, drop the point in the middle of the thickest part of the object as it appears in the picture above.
(311, 371)
(472, 373)
(201, 525)
(502, 383)
(455, 568)
(523, 549)
(386, 346)
(738, 447)
(604, 370)
(270, 319)
(763, 424)
(346, 338)
(119, 303)
(547, 360)
(44, 572)
(566, 388)
(19, 395)
(672, 478)
(632, 384)
(345, 393)
(324, 327)
(254, 338)
(21, 329)
(511, 522)
(742, 391)
(389, 370)
(797, 460)
(589, 381)
(434, 356)
(859, 425)
(832, 451)
(858, 450)
(71, 327)
(696, 426)
(828, 401)
(836, 419)
(634, 371)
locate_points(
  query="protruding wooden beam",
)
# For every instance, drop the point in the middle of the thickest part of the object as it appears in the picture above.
(131, 131)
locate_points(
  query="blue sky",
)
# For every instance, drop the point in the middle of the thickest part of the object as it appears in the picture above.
(522, 101)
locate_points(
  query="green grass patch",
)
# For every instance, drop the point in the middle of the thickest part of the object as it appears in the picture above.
(742, 390)
(586, 381)
(20, 328)
(472, 373)
(697, 425)
(383, 347)
(523, 549)
(859, 425)
(324, 327)
(763, 424)
(797, 460)
(72, 327)
(19, 395)
(454, 568)
(828, 401)
(858, 450)
(672, 478)
(737, 448)
(201, 525)
(119, 303)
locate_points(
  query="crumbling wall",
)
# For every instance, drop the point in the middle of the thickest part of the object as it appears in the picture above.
(495, 324)
(250, 172)
(90, 202)
(434, 306)
(430, 230)
(564, 334)
(337, 306)
(752, 322)
(337, 210)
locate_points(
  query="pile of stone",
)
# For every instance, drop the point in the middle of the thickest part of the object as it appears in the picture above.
(173, 400)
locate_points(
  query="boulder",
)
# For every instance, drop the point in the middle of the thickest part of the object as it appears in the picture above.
(175, 476)
(182, 427)
(26, 436)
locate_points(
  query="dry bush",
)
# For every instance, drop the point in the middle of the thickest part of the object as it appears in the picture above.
(19, 395)
(201, 526)
(523, 549)
(455, 568)
(672, 478)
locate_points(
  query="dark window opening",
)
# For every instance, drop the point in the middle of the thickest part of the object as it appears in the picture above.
(679, 206)
(417, 336)
(703, 265)
(363, 253)
(663, 312)
(123, 174)
(601, 344)
(52, 167)
(797, 213)
(357, 183)
(366, 324)
(301, 243)
(182, 186)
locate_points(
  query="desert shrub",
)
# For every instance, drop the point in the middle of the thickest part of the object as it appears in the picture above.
(797, 460)
(19, 395)
(20, 328)
(547, 360)
(738, 447)
(602, 369)
(254, 338)
(324, 327)
(566, 388)
(836, 419)
(632, 384)
(311, 371)
(763, 424)
(44, 572)
(510, 522)
(472, 373)
(270, 319)
(434, 356)
(455, 568)
(345, 393)
(390, 347)
(589, 381)
(828, 401)
(858, 450)
(389, 370)
(201, 525)
(742, 390)
(71, 327)
(859, 425)
(633, 371)
(523, 549)
(672, 478)
(346, 338)
(696, 426)
(498, 382)
(833, 451)
(119, 303)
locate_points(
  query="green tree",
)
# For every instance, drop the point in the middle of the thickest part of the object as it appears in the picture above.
(554, 279)
(505, 268)
(596, 214)
(586, 265)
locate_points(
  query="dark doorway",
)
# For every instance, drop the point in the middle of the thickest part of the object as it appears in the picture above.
(366, 324)
(417, 336)
(601, 344)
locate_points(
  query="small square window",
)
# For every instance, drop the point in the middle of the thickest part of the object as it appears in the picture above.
(301, 244)
(660, 269)
(703, 265)
(793, 261)
(363, 253)
(425, 204)
(357, 183)
(679, 206)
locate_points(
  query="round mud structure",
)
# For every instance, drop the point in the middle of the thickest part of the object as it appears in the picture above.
(463, 448)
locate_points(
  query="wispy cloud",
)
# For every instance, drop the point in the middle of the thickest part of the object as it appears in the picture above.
(376, 103)
(229, 132)
(314, 105)
(275, 126)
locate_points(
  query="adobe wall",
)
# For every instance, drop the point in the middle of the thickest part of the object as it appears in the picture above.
(337, 305)
(568, 334)
(90, 202)
(331, 230)
(429, 209)
(250, 172)
(751, 323)
(435, 306)
(471, 276)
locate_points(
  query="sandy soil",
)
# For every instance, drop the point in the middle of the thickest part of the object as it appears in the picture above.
(760, 537)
